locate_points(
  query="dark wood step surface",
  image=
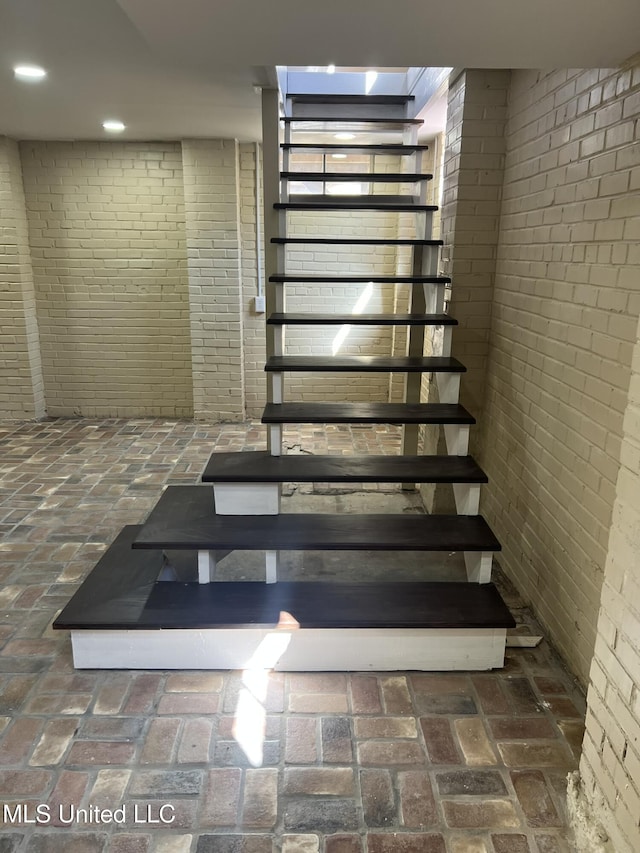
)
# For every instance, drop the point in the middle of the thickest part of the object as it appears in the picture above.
(367, 177)
(318, 98)
(121, 592)
(184, 517)
(363, 203)
(116, 589)
(353, 241)
(366, 413)
(381, 122)
(372, 148)
(261, 467)
(279, 319)
(364, 364)
(283, 278)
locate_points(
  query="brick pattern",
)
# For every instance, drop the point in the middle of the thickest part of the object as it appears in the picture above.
(565, 313)
(340, 763)
(471, 202)
(145, 254)
(212, 215)
(610, 765)
(106, 233)
(253, 324)
(21, 382)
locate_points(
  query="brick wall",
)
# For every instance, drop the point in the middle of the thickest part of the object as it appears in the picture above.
(472, 185)
(106, 230)
(472, 175)
(565, 310)
(21, 383)
(253, 323)
(212, 211)
(145, 266)
(609, 793)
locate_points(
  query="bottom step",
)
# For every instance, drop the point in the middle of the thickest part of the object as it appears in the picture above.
(292, 650)
(123, 617)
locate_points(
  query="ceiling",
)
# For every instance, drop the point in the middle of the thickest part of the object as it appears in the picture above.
(172, 69)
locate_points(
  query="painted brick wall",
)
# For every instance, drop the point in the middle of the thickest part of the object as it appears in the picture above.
(472, 186)
(21, 383)
(106, 229)
(565, 311)
(212, 212)
(146, 271)
(610, 765)
(472, 175)
(253, 323)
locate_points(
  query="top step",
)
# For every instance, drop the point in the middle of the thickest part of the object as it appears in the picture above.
(315, 98)
(380, 121)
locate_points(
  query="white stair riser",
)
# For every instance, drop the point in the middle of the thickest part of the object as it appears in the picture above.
(448, 387)
(206, 566)
(457, 439)
(247, 498)
(467, 497)
(478, 565)
(305, 649)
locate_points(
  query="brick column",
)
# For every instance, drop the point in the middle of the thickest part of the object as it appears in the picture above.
(472, 188)
(21, 383)
(212, 217)
(607, 799)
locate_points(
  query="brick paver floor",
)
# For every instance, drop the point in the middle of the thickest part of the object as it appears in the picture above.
(231, 762)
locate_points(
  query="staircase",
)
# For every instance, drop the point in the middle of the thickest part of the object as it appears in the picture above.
(127, 614)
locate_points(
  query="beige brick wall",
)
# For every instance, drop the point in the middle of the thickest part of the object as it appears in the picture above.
(471, 181)
(21, 383)
(471, 199)
(146, 271)
(106, 229)
(212, 212)
(253, 323)
(610, 765)
(565, 310)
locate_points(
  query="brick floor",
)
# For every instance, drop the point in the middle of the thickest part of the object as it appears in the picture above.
(164, 762)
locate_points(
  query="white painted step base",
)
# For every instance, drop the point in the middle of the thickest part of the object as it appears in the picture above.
(298, 650)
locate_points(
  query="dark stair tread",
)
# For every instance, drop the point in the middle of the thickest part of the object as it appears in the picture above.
(184, 517)
(261, 467)
(390, 178)
(244, 604)
(121, 592)
(371, 148)
(283, 278)
(354, 241)
(364, 203)
(366, 413)
(279, 319)
(117, 588)
(319, 98)
(394, 122)
(365, 364)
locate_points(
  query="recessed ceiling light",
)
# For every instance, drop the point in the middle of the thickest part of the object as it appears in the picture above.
(113, 126)
(29, 72)
(345, 135)
(331, 69)
(339, 156)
